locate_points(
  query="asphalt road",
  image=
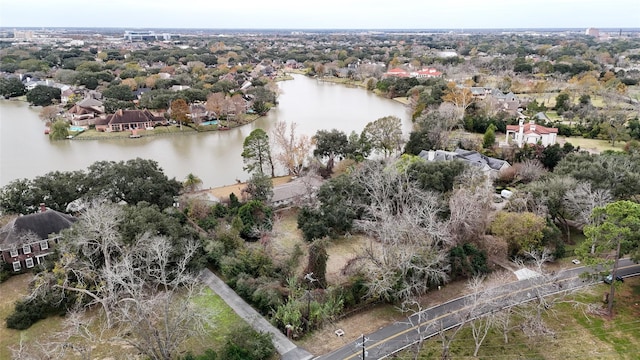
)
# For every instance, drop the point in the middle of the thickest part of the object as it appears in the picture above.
(395, 337)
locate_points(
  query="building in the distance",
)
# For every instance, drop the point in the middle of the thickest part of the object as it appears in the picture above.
(592, 32)
(147, 36)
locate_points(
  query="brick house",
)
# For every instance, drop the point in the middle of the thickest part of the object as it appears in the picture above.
(27, 239)
(123, 120)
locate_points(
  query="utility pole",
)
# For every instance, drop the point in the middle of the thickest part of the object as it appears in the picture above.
(362, 344)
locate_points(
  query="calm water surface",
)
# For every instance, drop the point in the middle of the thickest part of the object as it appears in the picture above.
(25, 152)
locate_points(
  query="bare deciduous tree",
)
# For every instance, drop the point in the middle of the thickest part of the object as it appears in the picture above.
(294, 149)
(405, 220)
(581, 200)
(144, 289)
(468, 206)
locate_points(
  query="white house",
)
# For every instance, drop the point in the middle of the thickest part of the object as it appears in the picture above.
(531, 134)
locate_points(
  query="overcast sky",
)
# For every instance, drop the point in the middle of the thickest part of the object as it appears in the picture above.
(322, 14)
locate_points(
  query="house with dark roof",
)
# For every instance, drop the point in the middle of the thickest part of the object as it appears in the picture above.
(124, 120)
(488, 165)
(28, 239)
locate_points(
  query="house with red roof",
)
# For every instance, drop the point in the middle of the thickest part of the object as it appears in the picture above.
(396, 72)
(531, 133)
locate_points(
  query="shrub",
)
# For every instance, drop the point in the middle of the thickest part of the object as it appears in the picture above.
(28, 312)
(244, 343)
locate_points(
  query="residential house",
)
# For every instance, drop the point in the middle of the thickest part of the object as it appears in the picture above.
(426, 73)
(488, 165)
(531, 133)
(28, 239)
(396, 72)
(298, 189)
(123, 120)
(85, 112)
(419, 74)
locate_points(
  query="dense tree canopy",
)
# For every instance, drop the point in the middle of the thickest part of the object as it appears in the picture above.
(132, 181)
(11, 87)
(43, 95)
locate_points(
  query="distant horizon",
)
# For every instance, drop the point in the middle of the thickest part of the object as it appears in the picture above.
(330, 14)
(632, 29)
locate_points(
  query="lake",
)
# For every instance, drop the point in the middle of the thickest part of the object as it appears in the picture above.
(25, 152)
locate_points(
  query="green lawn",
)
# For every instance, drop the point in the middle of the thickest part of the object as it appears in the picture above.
(594, 145)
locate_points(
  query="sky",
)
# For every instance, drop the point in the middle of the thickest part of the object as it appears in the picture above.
(323, 14)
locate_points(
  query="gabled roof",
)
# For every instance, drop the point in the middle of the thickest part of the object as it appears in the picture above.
(475, 158)
(41, 224)
(530, 128)
(89, 102)
(129, 117)
(472, 158)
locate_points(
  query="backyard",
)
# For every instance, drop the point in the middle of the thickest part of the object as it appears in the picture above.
(17, 286)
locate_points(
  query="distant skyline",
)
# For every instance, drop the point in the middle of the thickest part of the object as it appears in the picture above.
(327, 14)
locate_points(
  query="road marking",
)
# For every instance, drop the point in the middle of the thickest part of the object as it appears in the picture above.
(427, 322)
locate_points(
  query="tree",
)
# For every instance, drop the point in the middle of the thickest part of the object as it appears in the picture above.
(615, 128)
(49, 113)
(244, 343)
(192, 183)
(616, 229)
(119, 92)
(215, 104)
(489, 138)
(403, 218)
(180, 111)
(317, 264)
(18, 197)
(143, 289)
(132, 181)
(43, 95)
(521, 231)
(583, 199)
(256, 219)
(260, 187)
(385, 134)
(294, 149)
(562, 102)
(329, 145)
(59, 130)
(256, 152)
(11, 87)
(461, 97)
(469, 205)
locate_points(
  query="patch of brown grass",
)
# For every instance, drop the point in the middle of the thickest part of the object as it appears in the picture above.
(223, 192)
(325, 340)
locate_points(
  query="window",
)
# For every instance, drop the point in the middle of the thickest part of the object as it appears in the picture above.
(17, 266)
(44, 245)
(26, 249)
(29, 262)
(13, 253)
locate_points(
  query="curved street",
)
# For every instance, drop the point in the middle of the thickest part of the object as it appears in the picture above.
(429, 322)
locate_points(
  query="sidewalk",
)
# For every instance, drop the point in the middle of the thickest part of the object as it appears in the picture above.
(285, 347)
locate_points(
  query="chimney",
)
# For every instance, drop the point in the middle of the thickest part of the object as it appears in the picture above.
(43, 208)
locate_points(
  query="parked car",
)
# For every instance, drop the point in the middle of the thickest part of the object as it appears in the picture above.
(609, 278)
(575, 261)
